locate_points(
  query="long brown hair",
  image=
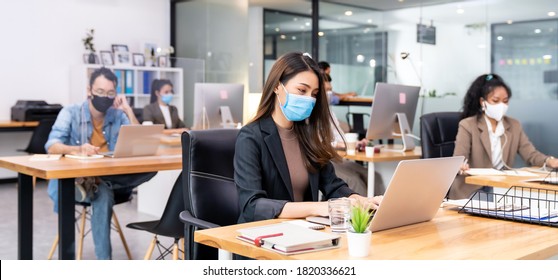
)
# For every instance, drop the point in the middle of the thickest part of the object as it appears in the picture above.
(314, 134)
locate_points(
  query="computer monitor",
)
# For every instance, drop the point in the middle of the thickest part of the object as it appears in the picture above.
(393, 111)
(218, 105)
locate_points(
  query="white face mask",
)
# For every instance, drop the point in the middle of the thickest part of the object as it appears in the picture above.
(495, 111)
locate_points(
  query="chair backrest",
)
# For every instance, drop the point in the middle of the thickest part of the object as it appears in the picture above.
(209, 190)
(39, 137)
(170, 225)
(437, 132)
(356, 123)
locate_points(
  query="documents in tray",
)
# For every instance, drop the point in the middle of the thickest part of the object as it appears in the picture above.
(287, 238)
(45, 157)
(492, 172)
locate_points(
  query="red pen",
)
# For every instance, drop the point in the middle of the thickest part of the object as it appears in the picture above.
(258, 241)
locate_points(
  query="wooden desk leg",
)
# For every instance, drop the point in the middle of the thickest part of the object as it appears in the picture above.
(25, 217)
(66, 212)
(371, 179)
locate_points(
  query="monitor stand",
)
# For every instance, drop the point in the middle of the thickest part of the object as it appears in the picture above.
(408, 142)
(226, 117)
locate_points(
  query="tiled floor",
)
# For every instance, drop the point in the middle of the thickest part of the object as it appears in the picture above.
(45, 223)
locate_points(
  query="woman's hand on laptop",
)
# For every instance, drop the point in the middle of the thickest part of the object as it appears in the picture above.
(372, 202)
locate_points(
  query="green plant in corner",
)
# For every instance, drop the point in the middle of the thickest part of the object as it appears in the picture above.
(361, 216)
(88, 40)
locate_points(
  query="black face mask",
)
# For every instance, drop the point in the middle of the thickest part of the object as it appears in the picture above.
(101, 104)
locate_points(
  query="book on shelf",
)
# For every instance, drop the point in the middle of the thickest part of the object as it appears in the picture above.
(129, 82)
(287, 238)
(120, 78)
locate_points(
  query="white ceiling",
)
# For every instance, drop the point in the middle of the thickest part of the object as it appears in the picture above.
(476, 13)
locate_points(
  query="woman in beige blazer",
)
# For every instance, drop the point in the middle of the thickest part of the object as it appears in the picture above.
(489, 139)
(159, 111)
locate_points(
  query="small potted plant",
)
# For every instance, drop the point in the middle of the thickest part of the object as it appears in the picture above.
(89, 46)
(359, 235)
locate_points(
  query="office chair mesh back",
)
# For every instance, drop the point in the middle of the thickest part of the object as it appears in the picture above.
(210, 193)
(438, 131)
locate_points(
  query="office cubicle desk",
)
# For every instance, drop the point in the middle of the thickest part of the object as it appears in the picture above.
(449, 236)
(66, 170)
(389, 158)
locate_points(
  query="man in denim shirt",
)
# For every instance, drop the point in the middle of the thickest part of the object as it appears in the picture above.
(88, 129)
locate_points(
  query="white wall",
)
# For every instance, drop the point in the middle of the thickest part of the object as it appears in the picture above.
(42, 39)
(448, 66)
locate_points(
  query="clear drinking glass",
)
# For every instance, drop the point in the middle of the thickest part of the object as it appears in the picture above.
(339, 214)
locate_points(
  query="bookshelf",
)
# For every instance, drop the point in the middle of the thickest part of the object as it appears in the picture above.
(133, 81)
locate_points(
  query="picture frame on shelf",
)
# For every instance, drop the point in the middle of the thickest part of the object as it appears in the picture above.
(107, 58)
(88, 60)
(122, 58)
(163, 61)
(138, 59)
(119, 48)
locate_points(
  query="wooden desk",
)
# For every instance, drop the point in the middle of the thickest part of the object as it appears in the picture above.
(66, 170)
(449, 236)
(356, 101)
(507, 182)
(6, 126)
(384, 156)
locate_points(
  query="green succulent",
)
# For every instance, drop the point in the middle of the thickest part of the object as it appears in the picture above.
(361, 216)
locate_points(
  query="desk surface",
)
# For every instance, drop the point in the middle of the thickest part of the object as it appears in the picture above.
(72, 168)
(385, 155)
(11, 124)
(449, 235)
(503, 181)
(356, 101)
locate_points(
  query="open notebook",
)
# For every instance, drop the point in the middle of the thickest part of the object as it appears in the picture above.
(288, 238)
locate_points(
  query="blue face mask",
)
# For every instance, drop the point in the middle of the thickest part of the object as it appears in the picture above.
(166, 98)
(297, 107)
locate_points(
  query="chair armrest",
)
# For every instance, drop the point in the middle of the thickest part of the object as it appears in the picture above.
(187, 218)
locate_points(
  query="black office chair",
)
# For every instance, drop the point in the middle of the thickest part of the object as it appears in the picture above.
(168, 225)
(39, 137)
(437, 132)
(138, 112)
(210, 195)
(356, 123)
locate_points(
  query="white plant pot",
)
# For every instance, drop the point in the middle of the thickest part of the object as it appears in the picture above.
(359, 243)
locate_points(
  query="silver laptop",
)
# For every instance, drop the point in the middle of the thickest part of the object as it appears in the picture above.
(416, 191)
(137, 140)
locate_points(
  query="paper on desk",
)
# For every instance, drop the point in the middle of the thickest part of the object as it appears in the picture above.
(493, 172)
(45, 157)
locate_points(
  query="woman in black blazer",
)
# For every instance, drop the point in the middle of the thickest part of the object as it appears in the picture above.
(283, 156)
(161, 97)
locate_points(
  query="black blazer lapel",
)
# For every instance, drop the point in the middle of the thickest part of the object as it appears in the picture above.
(275, 148)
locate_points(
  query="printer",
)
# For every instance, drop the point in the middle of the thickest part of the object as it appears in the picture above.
(34, 110)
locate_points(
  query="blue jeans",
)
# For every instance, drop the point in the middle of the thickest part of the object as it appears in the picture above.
(101, 205)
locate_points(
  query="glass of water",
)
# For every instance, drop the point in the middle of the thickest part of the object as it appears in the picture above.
(339, 214)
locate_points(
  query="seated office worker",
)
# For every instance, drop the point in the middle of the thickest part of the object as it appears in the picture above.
(283, 156)
(487, 137)
(100, 117)
(337, 96)
(159, 111)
